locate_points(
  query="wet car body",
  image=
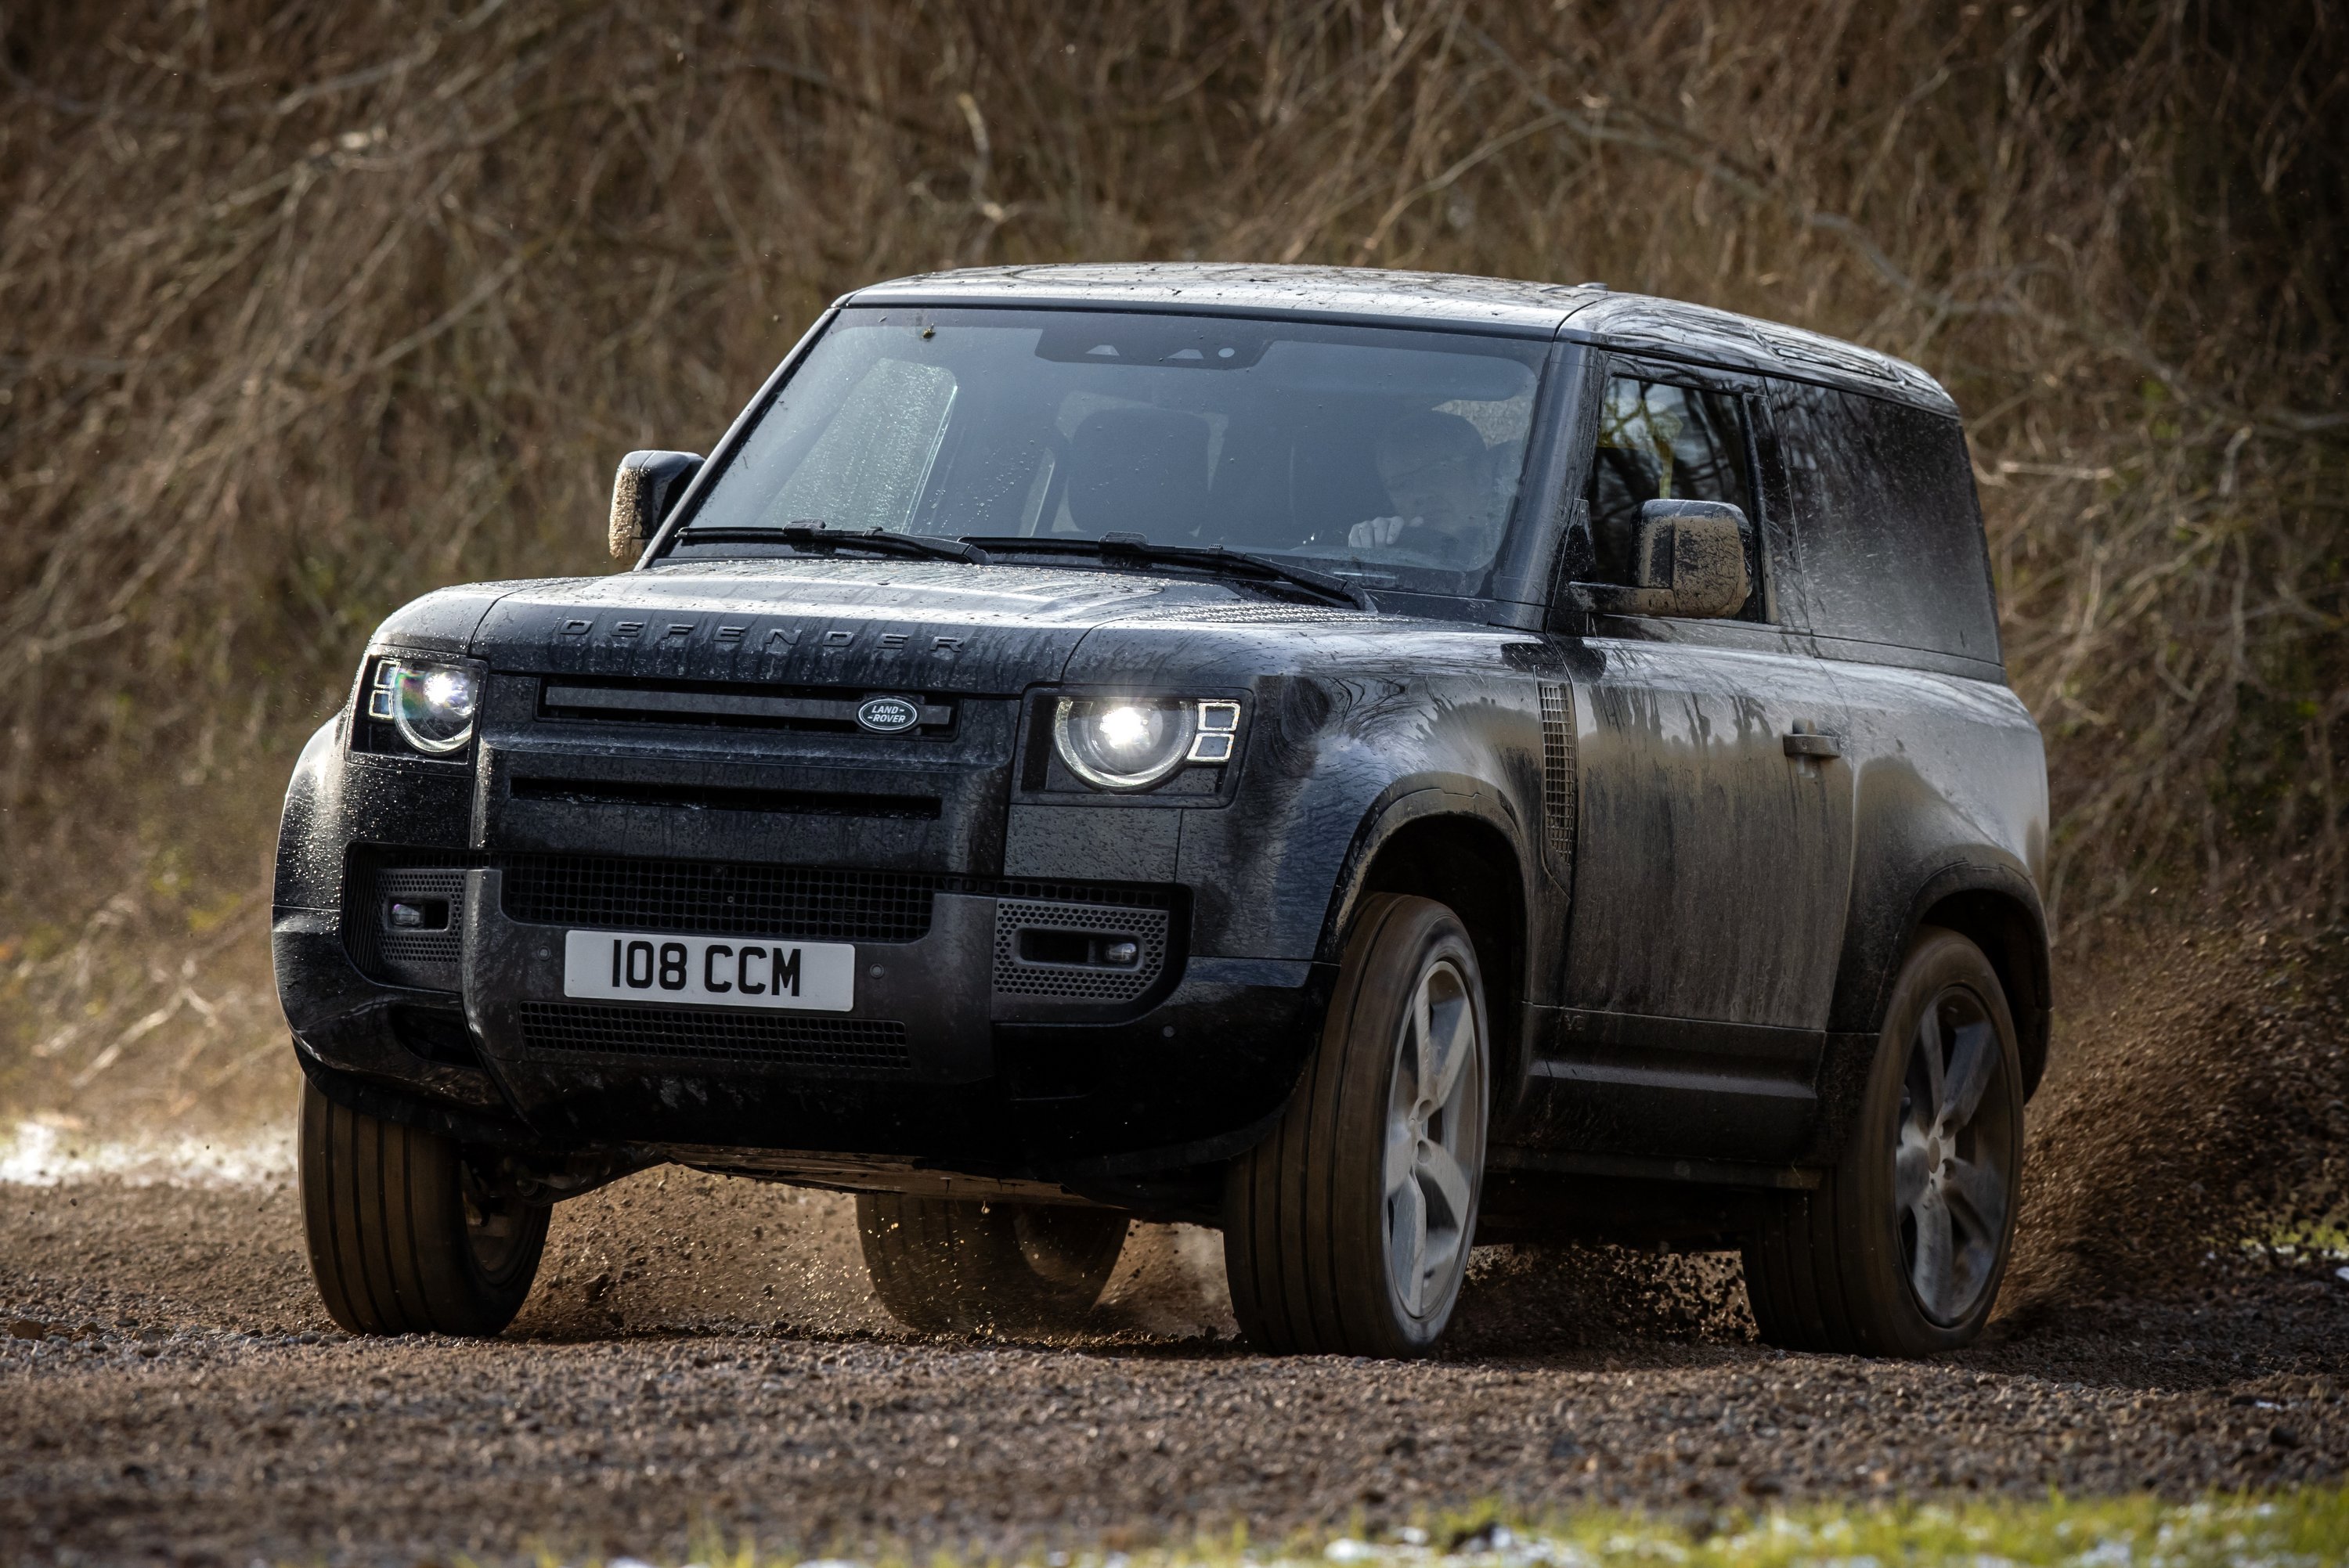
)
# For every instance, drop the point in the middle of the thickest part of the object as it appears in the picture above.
(1690, 851)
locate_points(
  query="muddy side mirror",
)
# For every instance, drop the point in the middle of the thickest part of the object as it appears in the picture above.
(1689, 560)
(647, 485)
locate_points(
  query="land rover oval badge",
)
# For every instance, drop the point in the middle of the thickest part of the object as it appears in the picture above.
(888, 715)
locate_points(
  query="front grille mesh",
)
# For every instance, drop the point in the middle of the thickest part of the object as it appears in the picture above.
(836, 1048)
(717, 898)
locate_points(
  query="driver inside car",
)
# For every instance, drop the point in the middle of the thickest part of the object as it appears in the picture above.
(1437, 473)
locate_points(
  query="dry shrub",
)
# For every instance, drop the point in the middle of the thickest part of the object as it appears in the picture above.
(309, 309)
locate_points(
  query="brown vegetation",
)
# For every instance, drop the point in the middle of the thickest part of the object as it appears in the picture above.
(310, 308)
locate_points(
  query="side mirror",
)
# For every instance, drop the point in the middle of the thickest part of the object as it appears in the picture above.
(1689, 560)
(646, 487)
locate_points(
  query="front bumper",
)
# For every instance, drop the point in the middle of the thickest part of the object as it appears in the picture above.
(955, 1056)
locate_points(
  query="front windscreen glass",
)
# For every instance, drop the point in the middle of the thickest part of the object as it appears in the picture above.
(1390, 456)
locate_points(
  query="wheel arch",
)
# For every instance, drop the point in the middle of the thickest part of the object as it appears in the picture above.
(1461, 848)
(2008, 925)
(1996, 907)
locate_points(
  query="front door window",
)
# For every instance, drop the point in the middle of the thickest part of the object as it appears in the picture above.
(1660, 442)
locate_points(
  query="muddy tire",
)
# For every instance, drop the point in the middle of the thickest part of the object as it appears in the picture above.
(1900, 1251)
(953, 1268)
(403, 1237)
(1347, 1230)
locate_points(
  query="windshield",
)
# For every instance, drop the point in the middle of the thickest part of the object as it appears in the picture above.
(1390, 455)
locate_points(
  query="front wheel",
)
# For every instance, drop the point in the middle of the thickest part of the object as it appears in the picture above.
(1901, 1249)
(405, 1235)
(1347, 1230)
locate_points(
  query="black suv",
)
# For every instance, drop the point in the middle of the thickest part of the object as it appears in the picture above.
(1372, 761)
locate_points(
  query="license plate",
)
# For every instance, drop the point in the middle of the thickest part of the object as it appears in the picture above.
(710, 971)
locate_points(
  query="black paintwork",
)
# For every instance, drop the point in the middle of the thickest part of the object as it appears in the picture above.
(1688, 921)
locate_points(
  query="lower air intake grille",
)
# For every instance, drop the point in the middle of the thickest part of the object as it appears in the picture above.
(1083, 933)
(716, 898)
(836, 1048)
(427, 954)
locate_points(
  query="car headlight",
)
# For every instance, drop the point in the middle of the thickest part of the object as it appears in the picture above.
(1132, 743)
(431, 702)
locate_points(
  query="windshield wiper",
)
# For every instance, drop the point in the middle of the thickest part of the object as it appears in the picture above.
(816, 537)
(1256, 571)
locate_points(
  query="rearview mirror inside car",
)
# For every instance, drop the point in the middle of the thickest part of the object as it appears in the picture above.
(647, 485)
(1689, 560)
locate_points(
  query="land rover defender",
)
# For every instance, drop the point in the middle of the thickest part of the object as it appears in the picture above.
(1371, 761)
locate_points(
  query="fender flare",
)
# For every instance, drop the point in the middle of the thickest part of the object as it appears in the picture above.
(1865, 979)
(1423, 798)
(2030, 961)
(1400, 804)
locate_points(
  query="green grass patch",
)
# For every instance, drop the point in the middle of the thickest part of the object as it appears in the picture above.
(2326, 1242)
(2300, 1528)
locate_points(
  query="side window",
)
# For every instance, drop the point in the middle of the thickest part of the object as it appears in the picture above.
(1658, 441)
(1888, 528)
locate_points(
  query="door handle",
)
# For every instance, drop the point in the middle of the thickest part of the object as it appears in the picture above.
(1805, 743)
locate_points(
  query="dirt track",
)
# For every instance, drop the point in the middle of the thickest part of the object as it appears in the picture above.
(703, 1352)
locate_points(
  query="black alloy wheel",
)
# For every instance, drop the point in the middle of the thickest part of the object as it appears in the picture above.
(1901, 1249)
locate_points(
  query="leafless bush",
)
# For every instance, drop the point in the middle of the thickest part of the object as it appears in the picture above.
(309, 309)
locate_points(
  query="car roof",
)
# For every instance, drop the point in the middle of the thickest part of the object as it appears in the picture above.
(1633, 324)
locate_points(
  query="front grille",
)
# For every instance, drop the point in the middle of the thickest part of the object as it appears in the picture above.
(710, 797)
(717, 898)
(730, 702)
(833, 1047)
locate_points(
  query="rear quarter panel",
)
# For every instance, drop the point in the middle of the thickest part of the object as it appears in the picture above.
(1950, 782)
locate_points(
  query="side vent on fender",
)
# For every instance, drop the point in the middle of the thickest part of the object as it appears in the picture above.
(1557, 780)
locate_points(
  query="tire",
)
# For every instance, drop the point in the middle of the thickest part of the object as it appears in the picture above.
(948, 1266)
(1346, 1231)
(403, 1237)
(1901, 1249)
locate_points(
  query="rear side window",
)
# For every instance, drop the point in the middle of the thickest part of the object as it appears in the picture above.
(1888, 529)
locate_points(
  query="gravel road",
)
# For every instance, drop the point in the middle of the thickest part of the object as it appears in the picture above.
(702, 1354)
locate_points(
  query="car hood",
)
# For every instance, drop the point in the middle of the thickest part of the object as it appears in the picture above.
(929, 626)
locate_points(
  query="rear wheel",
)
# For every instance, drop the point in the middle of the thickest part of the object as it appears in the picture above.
(405, 1237)
(1899, 1252)
(1347, 1230)
(952, 1266)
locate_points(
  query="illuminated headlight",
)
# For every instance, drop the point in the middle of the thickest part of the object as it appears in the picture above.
(431, 702)
(1132, 743)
